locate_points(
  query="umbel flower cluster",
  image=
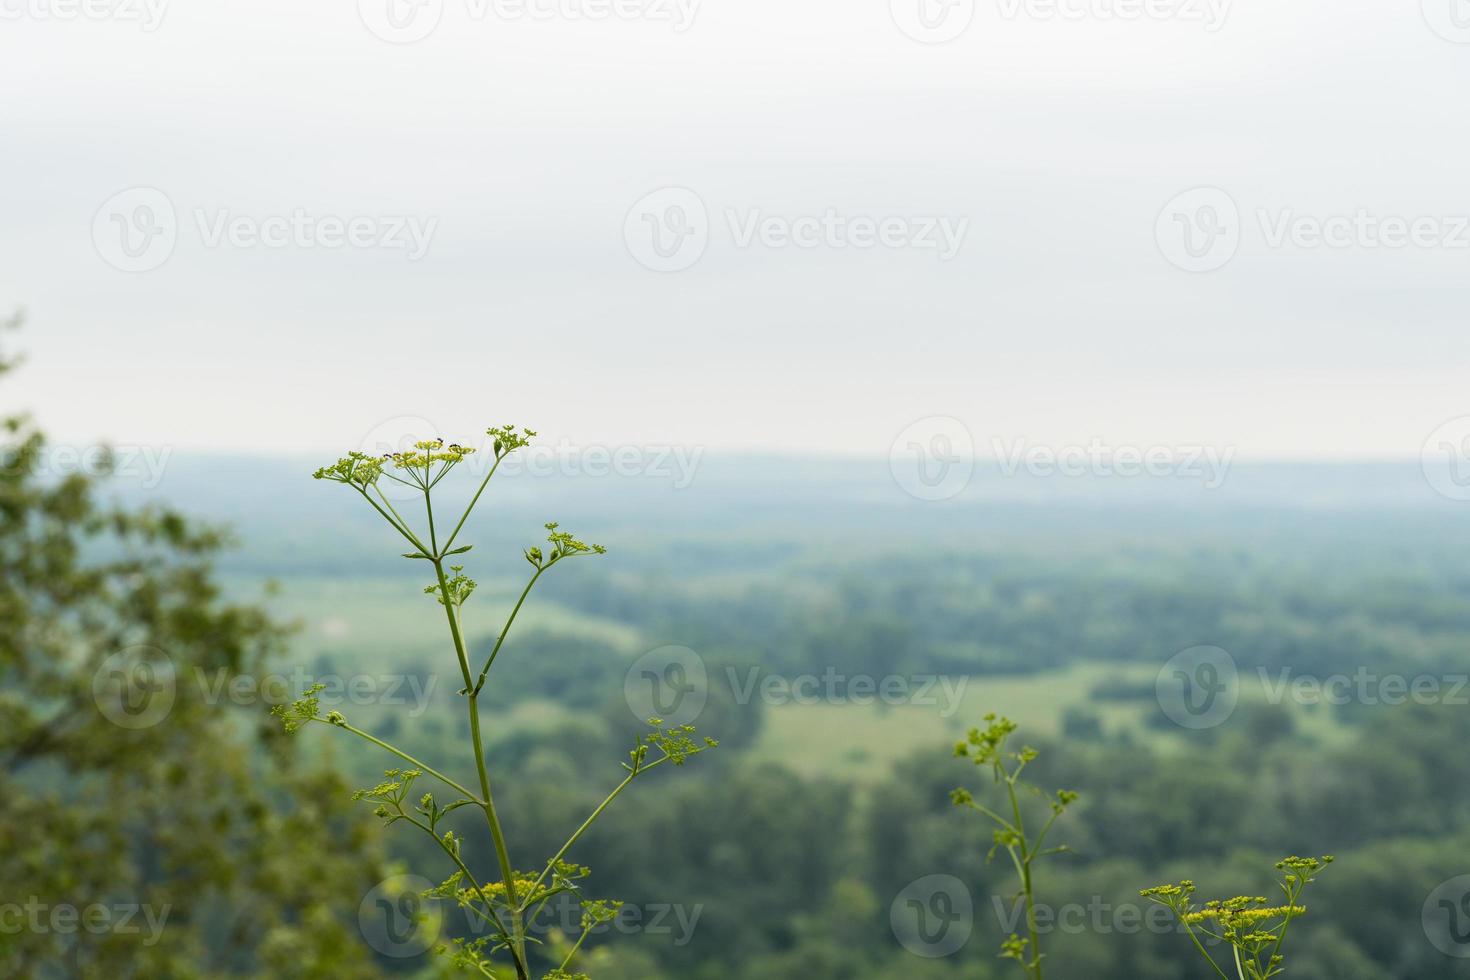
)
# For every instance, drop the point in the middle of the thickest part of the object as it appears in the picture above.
(507, 905)
(1254, 930)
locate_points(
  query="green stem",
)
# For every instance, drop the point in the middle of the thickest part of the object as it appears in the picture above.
(473, 500)
(580, 941)
(487, 799)
(493, 918)
(406, 758)
(401, 529)
(1032, 929)
(592, 819)
(506, 632)
(1201, 947)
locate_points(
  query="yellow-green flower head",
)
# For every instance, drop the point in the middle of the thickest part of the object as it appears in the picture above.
(427, 452)
(359, 469)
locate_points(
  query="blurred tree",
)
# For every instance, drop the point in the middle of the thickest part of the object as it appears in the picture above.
(136, 837)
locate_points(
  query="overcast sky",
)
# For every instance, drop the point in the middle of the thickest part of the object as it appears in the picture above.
(797, 225)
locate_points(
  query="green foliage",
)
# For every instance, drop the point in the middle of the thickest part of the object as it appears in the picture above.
(126, 793)
(986, 748)
(1254, 930)
(506, 907)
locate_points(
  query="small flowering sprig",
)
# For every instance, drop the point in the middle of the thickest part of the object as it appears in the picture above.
(986, 747)
(1254, 930)
(507, 906)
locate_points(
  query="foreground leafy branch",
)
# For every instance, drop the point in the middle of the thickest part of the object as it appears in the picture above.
(507, 906)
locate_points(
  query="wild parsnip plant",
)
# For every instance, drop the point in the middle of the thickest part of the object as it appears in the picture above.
(987, 748)
(1254, 931)
(508, 906)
